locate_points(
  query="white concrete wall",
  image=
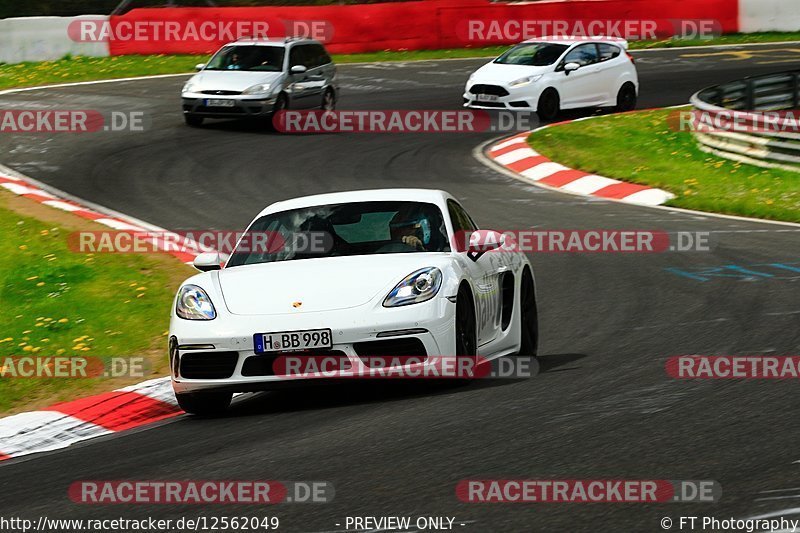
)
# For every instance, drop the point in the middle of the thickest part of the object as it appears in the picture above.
(43, 38)
(769, 15)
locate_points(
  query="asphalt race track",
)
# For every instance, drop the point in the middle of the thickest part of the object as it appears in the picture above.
(603, 406)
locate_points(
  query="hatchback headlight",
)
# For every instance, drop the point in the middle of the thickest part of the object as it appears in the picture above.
(417, 287)
(194, 304)
(261, 88)
(525, 81)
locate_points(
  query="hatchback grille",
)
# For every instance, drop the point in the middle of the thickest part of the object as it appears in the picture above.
(208, 365)
(488, 89)
(222, 93)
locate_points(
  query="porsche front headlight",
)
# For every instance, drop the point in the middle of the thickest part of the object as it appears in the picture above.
(261, 88)
(525, 81)
(417, 287)
(194, 304)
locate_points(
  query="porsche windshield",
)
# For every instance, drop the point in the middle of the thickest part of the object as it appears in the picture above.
(532, 54)
(248, 57)
(359, 228)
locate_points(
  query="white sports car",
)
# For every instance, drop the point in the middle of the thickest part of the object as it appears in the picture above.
(394, 272)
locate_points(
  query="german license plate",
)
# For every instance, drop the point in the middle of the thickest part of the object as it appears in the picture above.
(293, 341)
(487, 97)
(219, 102)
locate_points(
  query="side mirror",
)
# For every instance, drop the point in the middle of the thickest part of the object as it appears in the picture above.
(482, 241)
(298, 69)
(208, 261)
(571, 67)
(200, 66)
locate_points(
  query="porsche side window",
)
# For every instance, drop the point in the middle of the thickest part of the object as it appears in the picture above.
(461, 220)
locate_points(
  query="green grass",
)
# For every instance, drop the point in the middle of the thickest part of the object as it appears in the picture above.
(73, 69)
(733, 38)
(644, 148)
(60, 303)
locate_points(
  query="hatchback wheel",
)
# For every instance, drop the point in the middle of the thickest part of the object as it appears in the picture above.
(549, 105)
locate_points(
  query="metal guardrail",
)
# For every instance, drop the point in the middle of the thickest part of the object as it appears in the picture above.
(755, 120)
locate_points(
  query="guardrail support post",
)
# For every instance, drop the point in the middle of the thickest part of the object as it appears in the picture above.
(749, 96)
(796, 90)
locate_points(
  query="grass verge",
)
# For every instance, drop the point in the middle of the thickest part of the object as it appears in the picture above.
(74, 69)
(643, 147)
(60, 303)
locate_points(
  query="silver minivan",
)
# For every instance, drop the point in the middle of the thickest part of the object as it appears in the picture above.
(259, 77)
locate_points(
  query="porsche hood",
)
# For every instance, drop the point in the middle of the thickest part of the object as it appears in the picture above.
(313, 285)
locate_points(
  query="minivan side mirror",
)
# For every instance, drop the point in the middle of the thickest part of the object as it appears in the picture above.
(298, 69)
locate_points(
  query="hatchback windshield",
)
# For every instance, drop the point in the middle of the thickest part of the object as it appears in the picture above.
(248, 57)
(532, 54)
(359, 228)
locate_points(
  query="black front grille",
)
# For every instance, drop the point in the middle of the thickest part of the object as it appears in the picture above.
(208, 365)
(264, 365)
(222, 93)
(480, 88)
(401, 346)
(210, 109)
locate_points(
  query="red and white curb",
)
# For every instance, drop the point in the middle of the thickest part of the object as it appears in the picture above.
(64, 424)
(517, 156)
(184, 249)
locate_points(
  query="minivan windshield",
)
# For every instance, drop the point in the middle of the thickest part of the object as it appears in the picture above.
(248, 57)
(532, 54)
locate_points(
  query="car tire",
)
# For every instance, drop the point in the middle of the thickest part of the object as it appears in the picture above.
(465, 328)
(328, 101)
(549, 105)
(193, 121)
(204, 403)
(281, 104)
(626, 98)
(529, 317)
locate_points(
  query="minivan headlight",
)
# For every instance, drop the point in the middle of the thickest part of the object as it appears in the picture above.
(261, 88)
(190, 87)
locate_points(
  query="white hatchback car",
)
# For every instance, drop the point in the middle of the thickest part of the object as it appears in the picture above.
(548, 75)
(391, 281)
